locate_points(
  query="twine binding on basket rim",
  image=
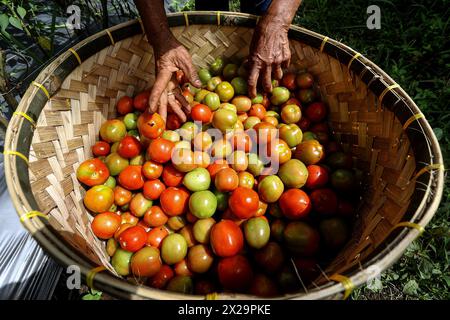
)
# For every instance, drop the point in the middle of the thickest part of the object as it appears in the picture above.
(91, 275)
(25, 116)
(33, 214)
(16, 153)
(346, 282)
(40, 86)
(77, 56)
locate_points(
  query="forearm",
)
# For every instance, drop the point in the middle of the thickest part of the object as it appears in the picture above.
(280, 12)
(154, 20)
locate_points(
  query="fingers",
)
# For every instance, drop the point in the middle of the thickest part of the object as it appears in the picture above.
(285, 64)
(278, 72)
(176, 108)
(186, 106)
(253, 79)
(191, 74)
(162, 79)
(267, 78)
(163, 106)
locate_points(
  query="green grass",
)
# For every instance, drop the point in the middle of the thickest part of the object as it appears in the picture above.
(413, 47)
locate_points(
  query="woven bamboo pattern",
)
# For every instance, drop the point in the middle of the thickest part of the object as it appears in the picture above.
(69, 124)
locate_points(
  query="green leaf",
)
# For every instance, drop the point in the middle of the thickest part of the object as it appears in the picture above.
(411, 287)
(439, 133)
(21, 11)
(94, 295)
(44, 42)
(15, 22)
(4, 22)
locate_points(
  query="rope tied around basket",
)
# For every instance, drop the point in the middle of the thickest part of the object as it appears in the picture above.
(324, 42)
(33, 214)
(43, 89)
(346, 283)
(91, 275)
(383, 94)
(77, 56)
(16, 153)
(356, 56)
(25, 116)
(110, 36)
(212, 296)
(434, 166)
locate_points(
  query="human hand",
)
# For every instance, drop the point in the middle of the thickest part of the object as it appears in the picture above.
(171, 57)
(269, 53)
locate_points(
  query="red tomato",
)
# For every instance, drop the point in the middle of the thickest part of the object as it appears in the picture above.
(129, 147)
(244, 202)
(155, 217)
(171, 176)
(216, 166)
(133, 238)
(324, 201)
(317, 177)
(151, 126)
(257, 110)
(92, 172)
(201, 113)
(163, 277)
(125, 105)
(288, 81)
(304, 124)
(153, 189)
(128, 218)
(173, 122)
(131, 178)
(226, 180)
(156, 236)
(226, 238)
(160, 150)
(295, 204)
(152, 170)
(316, 111)
(106, 224)
(174, 201)
(101, 148)
(235, 273)
(122, 196)
(140, 101)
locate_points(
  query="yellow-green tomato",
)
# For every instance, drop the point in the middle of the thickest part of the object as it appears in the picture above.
(173, 248)
(270, 189)
(212, 83)
(171, 135)
(250, 122)
(113, 130)
(197, 180)
(225, 91)
(257, 232)
(188, 131)
(200, 258)
(291, 134)
(202, 229)
(200, 95)
(217, 66)
(121, 261)
(230, 71)
(291, 113)
(130, 121)
(255, 165)
(224, 119)
(242, 103)
(204, 75)
(239, 85)
(116, 163)
(181, 284)
(202, 204)
(293, 173)
(279, 95)
(212, 100)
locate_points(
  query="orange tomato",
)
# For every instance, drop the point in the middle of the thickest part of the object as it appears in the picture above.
(174, 201)
(92, 172)
(105, 224)
(163, 277)
(128, 218)
(257, 110)
(241, 141)
(122, 196)
(216, 166)
(171, 176)
(156, 236)
(155, 217)
(201, 113)
(153, 189)
(244, 202)
(226, 180)
(101, 148)
(152, 170)
(151, 126)
(99, 198)
(131, 178)
(160, 150)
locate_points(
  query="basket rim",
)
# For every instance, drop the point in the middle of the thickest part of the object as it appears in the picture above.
(63, 252)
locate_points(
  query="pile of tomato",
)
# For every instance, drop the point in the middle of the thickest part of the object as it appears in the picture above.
(252, 210)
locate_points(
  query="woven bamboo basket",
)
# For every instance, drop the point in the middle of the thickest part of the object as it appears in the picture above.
(60, 115)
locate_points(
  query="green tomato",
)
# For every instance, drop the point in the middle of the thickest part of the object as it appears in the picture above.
(188, 131)
(171, 135)
(114, 147)
(212, 100)
(134, 133)
(291, 134)
(257, 232)
(113, 130)
(293, 173)
(225, 91)
(121, 261)
(197, 180)
(279, 95)
(203, 204)
(343, 179)
(130, 121)
(138, 160)
(224, 119)
(181, 284)
(213, 83)
(115, 163)
(173, 248)
(250, 122)
(204, 75)
(308, 135)
(230, 71)
(202, 229)
(110, 182)
(270, 189)
(242, 71)
(300, 238)
(200, 95)
(258, 99)
(334, 233)
(217, 66)
(240, 86)
(255, 165)
(222, 200)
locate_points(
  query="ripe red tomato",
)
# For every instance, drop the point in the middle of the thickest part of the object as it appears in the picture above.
(174, 201)
(129, 147)
(162, 278)
(244, 202)
(156, 236)
(140, 101)
(216, 166)
(288, 81)
(235, 273)
(155, 217)
(160, 150)
(131, 178)
(226, 238)
(257, 110)
(92, 172)
(153, 189)
(295, 204)
(316, 111)
(317, 177)
(201, 113)
(101, 148)
(125, 105)
(324, 201)
(152, 170)
(151, 126)
(171, 176)
(105, 224)
(133, 238)
(173, 122)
